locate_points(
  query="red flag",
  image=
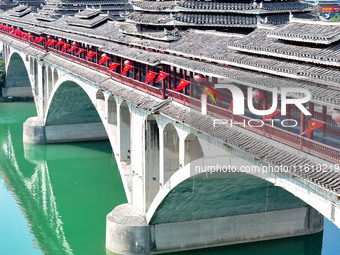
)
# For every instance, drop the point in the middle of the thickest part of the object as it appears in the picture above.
(23, 35)
(48, 42)
(231, 106)
(52, 42)
(150, 77)
(65, 46)
(38, 39)
(72, 48)
(80, 51)
(59, 44)
(18, 33)
(29, 38)
(113, 66)
(126, 68)
(269, 116)
(182, 85)
(12, 32)
(90, 54)
(313, 124)
(103, 59)
(161, 76)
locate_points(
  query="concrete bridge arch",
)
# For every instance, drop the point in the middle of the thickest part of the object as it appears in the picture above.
(71, 102)
(61, 96)
(302, 190)
(18, 82)
(76, 111)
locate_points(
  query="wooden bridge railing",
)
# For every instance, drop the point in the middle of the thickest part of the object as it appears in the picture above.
(289, 138)
(286, 137)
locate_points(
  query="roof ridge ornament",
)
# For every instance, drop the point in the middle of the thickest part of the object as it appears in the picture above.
(261, 20)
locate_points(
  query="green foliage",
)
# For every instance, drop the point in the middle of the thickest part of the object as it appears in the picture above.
(335, 18)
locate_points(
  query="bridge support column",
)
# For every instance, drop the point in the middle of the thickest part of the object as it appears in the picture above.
(139, 183)
(127, 231)
(36, 132)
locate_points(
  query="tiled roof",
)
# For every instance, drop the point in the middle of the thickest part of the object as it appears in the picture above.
(324, 33)
(205, 6)
(87, 13)
(91, 22)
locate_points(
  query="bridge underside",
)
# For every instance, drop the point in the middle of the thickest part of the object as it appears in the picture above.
(71, 117)
(203, 212)
(17, 82)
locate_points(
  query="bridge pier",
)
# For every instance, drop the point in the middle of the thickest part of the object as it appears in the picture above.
(127, 231)
(35, 132)
(21, 92)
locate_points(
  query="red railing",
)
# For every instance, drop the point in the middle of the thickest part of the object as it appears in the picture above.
(115, 76)
(304, 144)
(294, 140)
(330, 127)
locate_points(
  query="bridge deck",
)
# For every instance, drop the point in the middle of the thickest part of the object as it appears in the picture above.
(252, 145)
(249, 142)
(289, 138)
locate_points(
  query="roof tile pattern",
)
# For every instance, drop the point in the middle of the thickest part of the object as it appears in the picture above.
(307, 32)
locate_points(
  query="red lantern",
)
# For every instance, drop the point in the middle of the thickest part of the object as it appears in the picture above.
(128, 63)
(75, 44)
(336, 117)
(257, 95)
(50, 37)
(199, 78)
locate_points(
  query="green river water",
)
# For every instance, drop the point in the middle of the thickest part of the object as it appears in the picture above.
(54, 199)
